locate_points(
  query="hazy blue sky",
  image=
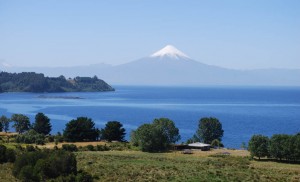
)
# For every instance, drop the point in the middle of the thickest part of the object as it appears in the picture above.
(231, 33)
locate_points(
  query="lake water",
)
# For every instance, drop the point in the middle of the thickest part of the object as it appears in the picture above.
(242, 111)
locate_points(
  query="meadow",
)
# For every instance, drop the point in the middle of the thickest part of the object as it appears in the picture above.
(130, 165)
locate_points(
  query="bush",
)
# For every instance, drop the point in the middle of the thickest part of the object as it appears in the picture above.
(2, 154)
(50, 139)
(83, 176)
(31, 137)
(42, 165)
(7, 155)
(30, 148)
(69, 147)
(10, 155)
(90, 147)
(102, 148)
(58, 138)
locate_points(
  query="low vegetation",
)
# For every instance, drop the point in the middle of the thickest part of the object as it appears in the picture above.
(141, 166)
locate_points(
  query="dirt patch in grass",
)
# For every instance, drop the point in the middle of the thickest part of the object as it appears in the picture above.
(78, 144)
(8, 134)
(240, 153)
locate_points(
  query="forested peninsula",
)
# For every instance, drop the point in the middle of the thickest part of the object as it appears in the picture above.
(37, 82)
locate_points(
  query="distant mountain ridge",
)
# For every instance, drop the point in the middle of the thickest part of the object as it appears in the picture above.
(170, 66)
(34, 82)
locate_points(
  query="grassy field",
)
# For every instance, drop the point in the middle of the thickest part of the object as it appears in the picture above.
(200, 166)
(139, 166)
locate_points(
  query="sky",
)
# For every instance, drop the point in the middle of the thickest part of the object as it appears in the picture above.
(233, 33)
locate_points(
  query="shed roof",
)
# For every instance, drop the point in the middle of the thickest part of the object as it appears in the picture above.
(198, 144)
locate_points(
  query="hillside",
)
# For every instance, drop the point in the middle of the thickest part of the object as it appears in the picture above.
(37, 82)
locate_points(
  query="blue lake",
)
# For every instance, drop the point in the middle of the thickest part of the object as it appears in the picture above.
(243, 111)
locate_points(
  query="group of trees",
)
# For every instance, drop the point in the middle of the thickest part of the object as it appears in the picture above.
(79, 129)
(157, 136)
(83, 129)
(279, 146)
(161, 133)
(34, 82)
(21, 123)
(153, 137)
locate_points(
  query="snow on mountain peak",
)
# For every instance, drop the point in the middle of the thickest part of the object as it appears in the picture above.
(170, 51)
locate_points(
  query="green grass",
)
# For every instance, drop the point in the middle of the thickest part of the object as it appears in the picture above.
(138, 166)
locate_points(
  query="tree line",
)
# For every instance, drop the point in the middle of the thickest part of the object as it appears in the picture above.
(279, 147)
(152, 137)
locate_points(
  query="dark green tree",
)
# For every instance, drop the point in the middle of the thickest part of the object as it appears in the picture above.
(81, 129)
(113, 131)
(209, 129)
(278, 147)
(258, 146)
(4, 122)
(21, 122)
(157, 136)
(42, 124)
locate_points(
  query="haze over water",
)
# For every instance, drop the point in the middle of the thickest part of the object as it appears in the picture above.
(243, 111)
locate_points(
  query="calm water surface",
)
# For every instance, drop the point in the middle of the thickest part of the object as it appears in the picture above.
(242, 111)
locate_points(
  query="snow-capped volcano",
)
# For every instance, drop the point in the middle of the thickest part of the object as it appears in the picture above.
(170, 51)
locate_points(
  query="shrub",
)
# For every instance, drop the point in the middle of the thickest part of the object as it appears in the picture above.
(42, 165)
(50, 138)
(30, 148)
(69, 147)
(90, 147)
(58, 138)
(83, 176)
(10, 155)
(102, 148)
(7, 155)
(31, 137)
(2, 153)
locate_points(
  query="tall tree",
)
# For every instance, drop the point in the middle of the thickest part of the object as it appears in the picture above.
(258, 146)
(113, 131)
(209, 129)
(4, 121)
(42, 124)
(278, 146)
(21, 122)
(81, 129)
